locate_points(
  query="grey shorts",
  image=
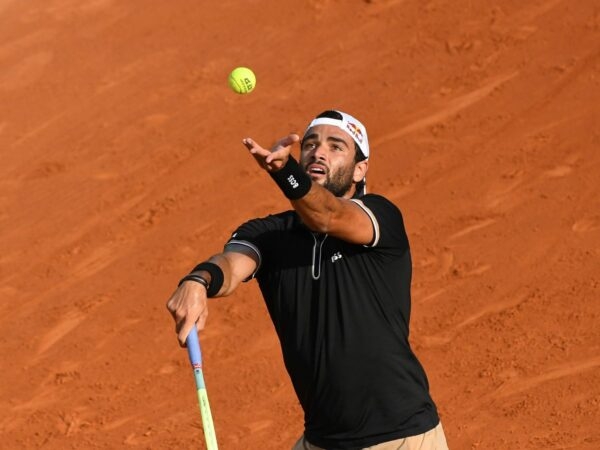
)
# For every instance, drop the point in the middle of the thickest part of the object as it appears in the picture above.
(434, 439)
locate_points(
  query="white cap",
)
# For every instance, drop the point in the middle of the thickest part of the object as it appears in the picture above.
(347, 123)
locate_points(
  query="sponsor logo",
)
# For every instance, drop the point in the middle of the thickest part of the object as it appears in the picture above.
(336, 256)
(292, 181)
(355, 131)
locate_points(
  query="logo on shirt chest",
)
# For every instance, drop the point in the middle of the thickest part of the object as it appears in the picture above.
(336, 257)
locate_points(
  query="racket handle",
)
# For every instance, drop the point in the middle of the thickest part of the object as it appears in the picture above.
(193, 348)
(195, 355)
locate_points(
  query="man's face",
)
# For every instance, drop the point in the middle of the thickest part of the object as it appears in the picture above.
(327, 155)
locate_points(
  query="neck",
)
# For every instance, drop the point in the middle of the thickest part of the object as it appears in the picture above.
(350, 193)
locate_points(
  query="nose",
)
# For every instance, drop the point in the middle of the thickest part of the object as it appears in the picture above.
(320, 152)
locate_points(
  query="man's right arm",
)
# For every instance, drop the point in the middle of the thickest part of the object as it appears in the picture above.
(188, 304)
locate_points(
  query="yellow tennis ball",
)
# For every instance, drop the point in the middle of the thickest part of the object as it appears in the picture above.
(242, 80)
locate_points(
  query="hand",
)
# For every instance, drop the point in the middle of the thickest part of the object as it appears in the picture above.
(274, 159)
(188, 306)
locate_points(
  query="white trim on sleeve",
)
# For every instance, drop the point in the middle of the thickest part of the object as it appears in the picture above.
(373, 221)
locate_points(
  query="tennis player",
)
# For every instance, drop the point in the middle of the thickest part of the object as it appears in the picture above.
(335, 273)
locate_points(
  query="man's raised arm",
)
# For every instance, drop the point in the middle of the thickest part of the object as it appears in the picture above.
(319, 209)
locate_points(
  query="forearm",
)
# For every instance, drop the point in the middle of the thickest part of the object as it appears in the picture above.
(316, 205)
(319, 209)
(230, 268)
(226, 284)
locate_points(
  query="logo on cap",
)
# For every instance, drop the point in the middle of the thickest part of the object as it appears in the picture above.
(355, 131)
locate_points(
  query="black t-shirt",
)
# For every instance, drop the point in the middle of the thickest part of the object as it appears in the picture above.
(342, 314)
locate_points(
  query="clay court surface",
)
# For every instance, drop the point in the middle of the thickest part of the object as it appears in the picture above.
(122, 167)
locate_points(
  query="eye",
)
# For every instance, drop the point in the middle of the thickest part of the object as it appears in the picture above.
(337, 148)
(309, 146)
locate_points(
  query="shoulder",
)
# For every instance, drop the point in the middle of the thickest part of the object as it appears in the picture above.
(388, 224)
(377, 204)
(272, 223)
(282, 220)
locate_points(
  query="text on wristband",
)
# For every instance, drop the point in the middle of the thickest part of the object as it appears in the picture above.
(293, 182)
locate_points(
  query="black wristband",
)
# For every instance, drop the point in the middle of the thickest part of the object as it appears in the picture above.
(292, 180)
(216, 277)
(196, 278)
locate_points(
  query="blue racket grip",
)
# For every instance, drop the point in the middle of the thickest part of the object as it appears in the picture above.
(193, 347)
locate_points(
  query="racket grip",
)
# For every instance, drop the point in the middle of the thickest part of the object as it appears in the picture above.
(193, 348)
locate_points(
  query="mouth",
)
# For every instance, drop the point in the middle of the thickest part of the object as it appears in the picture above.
(316, 170)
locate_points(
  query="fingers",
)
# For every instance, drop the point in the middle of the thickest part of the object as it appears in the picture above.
(172, 304)
(188, 307)
(286, 141)
(254, 148)
(185, 329)
(186, 326)
(281, 144)
(290, 139)
(277, 155)
(260, 154)
(275, 158)
(282, 148)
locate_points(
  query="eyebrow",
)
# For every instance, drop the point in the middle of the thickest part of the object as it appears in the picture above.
(330, 138)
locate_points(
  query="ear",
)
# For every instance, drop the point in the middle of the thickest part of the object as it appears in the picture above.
(360, 170)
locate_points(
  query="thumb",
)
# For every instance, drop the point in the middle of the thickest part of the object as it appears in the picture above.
(290, 139)
(281, 149)
(186, 328)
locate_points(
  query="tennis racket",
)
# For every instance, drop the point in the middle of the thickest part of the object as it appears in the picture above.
(195, 354)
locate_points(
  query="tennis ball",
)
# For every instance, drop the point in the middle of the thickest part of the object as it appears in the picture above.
(242, 80)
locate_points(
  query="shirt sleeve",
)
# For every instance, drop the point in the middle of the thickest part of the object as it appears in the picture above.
(388, 225)
(256, 235)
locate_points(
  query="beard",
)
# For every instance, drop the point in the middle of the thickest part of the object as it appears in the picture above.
(339, 182)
